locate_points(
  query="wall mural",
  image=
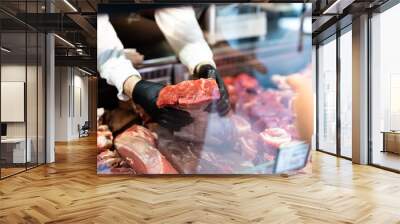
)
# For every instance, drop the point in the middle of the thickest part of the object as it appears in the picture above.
(195, 90)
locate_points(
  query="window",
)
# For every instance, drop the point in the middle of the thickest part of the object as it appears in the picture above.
(327, 96)
(385, 89)
(346, 93)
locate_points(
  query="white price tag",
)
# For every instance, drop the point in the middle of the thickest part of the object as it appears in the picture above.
(291, 157)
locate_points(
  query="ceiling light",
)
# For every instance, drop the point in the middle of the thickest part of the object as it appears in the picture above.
(65, 41)
(70, 5)
(80, 51)
(5, 50)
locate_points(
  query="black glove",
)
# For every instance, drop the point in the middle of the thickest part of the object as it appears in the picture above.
(146, 93)
(223, 105)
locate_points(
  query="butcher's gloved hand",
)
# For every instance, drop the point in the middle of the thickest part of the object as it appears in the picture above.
(146, 93)
(223, 105)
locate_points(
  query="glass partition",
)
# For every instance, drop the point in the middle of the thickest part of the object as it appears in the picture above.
(22, 91)
(13, 96)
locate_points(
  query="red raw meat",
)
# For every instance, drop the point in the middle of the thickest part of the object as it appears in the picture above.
(108, 163)
(242, 89)
(232, 91)
(192, 96)
(250, 144)
(104, 138)
(275, 137)
(246, 81)
(265, 122)
(108, 159)
(233, 96)
(292, 130)
(142, 132)
(107, 155)
(241, 125)
(227, 146)
(183, 155)
(229, 80)
(122, 170)
(137, 145)
(189, 94)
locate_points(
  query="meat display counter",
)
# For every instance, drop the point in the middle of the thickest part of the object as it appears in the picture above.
(259, 136)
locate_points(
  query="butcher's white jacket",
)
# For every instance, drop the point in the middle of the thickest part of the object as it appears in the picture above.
(179, 26)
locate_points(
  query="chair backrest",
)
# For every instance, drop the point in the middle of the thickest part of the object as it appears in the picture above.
(86, 125)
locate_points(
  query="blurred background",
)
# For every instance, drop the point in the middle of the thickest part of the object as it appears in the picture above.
(260, 39)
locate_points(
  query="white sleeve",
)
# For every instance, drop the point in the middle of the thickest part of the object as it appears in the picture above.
(183, 33)
(111, 61)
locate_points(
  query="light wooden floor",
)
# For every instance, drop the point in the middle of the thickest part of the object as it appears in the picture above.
(70, 192)
(9, 171)
(387, 159)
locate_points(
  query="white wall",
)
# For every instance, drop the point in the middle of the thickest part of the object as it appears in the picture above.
(61, 103)
(9, 73)
(16, 73)
(71, 94)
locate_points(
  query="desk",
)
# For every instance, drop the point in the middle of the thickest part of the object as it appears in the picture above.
(13, 150)
(391, 141)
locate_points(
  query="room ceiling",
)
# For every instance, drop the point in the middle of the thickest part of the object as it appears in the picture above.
(75, 21)
(330, 15)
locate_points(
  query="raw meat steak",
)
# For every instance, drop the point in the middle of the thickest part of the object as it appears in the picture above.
(107, 155)
(245, 81)
(183, 155)
(142, 132)
(292, 130)
(107, 160)
(137, 145)
(121, 170)
(104, 138)
(189, 94)
(214, 131)
(275, 137)
(250, 144)
(190, 157)
(241, 125)
(193, 96)
(264, 123)
(233, 93)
